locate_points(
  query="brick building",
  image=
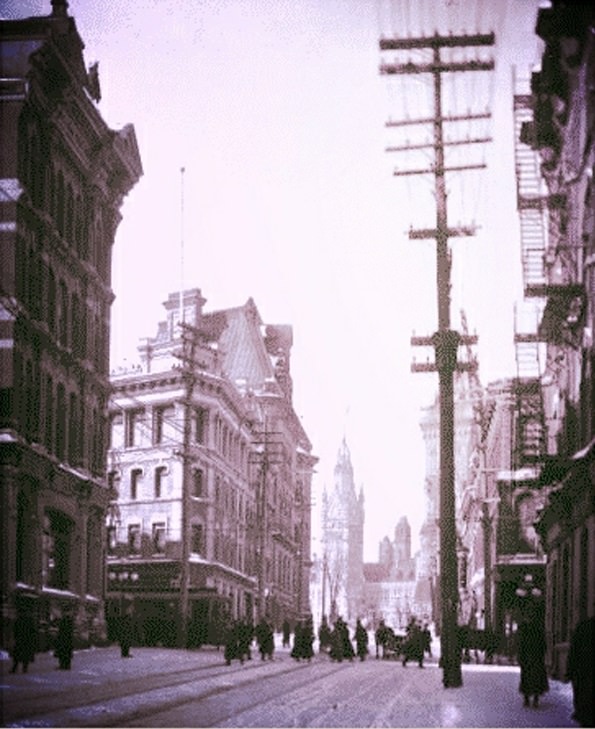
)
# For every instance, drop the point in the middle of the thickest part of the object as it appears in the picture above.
(63, 176)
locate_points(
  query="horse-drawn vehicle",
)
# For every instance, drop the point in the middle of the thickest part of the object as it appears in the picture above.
(390, 643)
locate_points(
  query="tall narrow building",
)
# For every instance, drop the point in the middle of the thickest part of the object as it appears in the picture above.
(63, 176)
(343, 542)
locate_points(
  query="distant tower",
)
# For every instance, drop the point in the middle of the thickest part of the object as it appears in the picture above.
(402, 541)
(343, 538)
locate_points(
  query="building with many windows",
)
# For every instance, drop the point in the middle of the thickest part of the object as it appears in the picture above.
(210, 471)
(63, 176)
(561, 131)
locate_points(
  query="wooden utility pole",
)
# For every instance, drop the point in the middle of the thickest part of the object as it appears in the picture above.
(189, 345)
(264, 456)
(445, 341)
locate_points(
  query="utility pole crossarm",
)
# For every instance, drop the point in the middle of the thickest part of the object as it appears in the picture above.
(398, 69)
(437, 41)
(440, 119)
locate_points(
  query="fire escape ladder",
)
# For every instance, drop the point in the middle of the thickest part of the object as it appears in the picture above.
(530, 436)
(532, 195)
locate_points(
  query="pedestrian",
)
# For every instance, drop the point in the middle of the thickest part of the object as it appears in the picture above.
(125, 635)
(413, 648)
(265, 638)
(380, 636)
(427, 640)
(579, 670)
(361, 640)
(324, 636)
(298, 641)
(25, 642)
(65, 642)
(232, 642)
(307, 639)
(245, 637)
(531, 657)
(343, 647)
(286, 630)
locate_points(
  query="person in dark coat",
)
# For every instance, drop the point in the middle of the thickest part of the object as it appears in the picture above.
(307, 639)
(413, 649)
(232, 643)
(265, 637)
(25, 642)
(65, 642)
(342, 646)
(324, 636)
(380, 636)
(361, 640)
(125, 635)
(245, 637)
(579, 670)
(531, 657)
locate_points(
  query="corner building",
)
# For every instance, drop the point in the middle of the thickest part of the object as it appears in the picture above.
(63, 176)
(211, 473)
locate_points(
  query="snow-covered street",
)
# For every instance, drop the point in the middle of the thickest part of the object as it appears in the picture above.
(174, 688)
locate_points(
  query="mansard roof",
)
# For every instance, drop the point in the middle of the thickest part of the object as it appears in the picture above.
(244, 346)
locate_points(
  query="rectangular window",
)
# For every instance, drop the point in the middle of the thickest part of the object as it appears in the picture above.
(198, 482)
(135, 477)
(159, 480)
(201, 416)
(133, 421)
(112, 539)
(197, 539)
(159, 538)
(57, 533)
(134, 539)
(162, 416)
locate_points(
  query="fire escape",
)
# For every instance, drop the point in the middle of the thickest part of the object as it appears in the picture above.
(530, 438)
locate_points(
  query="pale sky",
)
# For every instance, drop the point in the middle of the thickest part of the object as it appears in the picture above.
(276, 110)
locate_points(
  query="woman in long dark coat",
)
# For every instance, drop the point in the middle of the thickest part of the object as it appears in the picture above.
(361, 640)
(25, 640)
(64, 642)
(531, 655)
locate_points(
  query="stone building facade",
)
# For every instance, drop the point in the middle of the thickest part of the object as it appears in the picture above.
(63, 176)
(211, 477)
(391, 589)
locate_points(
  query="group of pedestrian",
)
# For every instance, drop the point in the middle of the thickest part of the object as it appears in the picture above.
(341, 645)
(238, 642)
